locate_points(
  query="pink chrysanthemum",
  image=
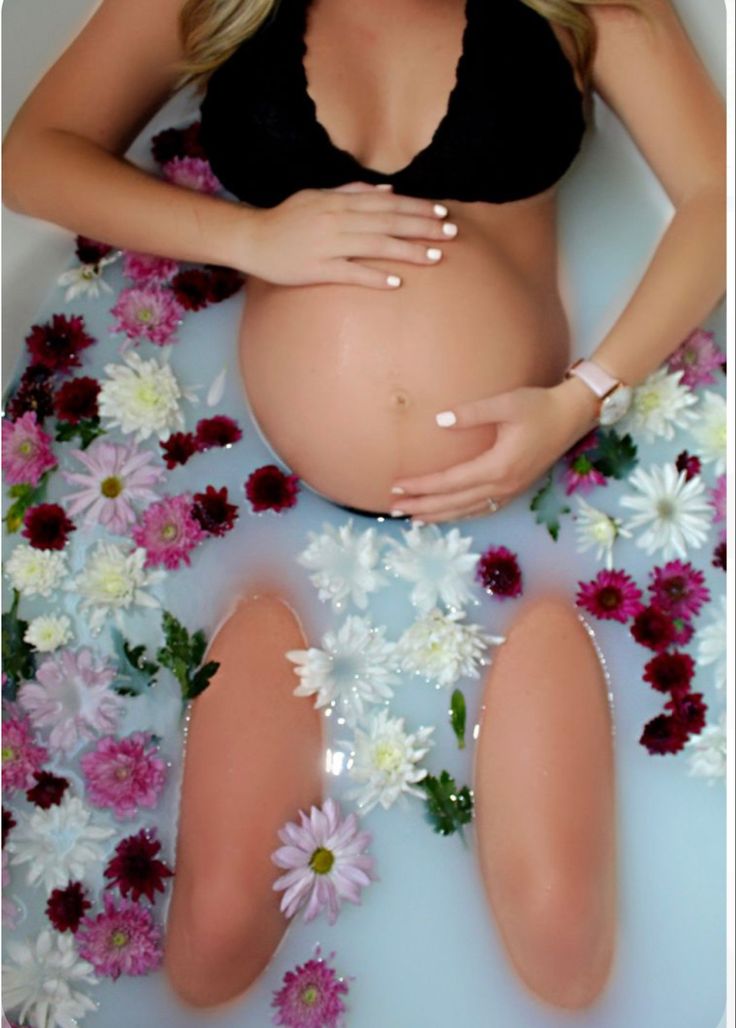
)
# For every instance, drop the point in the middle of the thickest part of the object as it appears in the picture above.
(122, 940)
(325, 862)
(168, 531)
(27, 452)
(148, 312)
(192, 173)
(611, 595)
(697, 357)
(22, 757)
(146, 269)
(580, 475)
(117, 474)
(311, 995)
(718, 499)
(122, 775)
(678, 589)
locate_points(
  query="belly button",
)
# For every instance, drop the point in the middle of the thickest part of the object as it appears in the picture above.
(399, 399)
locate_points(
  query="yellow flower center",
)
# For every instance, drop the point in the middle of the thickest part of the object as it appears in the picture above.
(169, 531)
(8, 753)
(310, 995)
(118, 938)
(387, 756)
(321, 860)
(111, 486)
(665, 509)
(145, 314)
(122, 773)
(26, 447)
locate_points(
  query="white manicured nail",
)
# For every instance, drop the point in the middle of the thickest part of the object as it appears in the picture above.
(440, 209)
(397, 490)
(397, 513)
(393, 280)
(449, 229)
(445, 418)
(433, 254)
(385, 186)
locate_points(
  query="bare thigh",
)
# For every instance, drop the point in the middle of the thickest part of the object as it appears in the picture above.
(545, 805)
(253, 759)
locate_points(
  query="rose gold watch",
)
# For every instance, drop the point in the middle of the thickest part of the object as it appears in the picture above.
(614, 395)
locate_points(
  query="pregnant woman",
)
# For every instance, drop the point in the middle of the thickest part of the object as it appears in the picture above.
(405, 350)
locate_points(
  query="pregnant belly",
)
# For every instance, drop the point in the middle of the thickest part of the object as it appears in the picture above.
(344, 381)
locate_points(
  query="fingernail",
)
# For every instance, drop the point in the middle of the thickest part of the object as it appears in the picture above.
(393, 280)
(384, 185)
(440, 209)
(397, 490)
(433, 254)
(449, 229)
(445, 418)
(397, 513)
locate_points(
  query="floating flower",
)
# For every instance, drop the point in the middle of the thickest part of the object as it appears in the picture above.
(325, 860)
(191, 288)
(178, 448)
(177, 142)
(135, 868)
(678, 589)
(711, 643)
(612, 595)
(689, 463)
(44, 981)
(674, 512)
(438, 563)
(595, 528)
(148, 312)
(77, 399)
(718, 501)
(192, 173)
(71, 695)
(499, 573)
(653, 629)
(664, 734)
(219, 430)
(311, 995)
(123, 775)
(86, 279)
(697, 357)
(352, 669)
(33, 393)
(659, 406)
(57, 344)
(707, 752)
(344, 564)
(213, 512)
(670, 671)
(168, 532)
(47, 526)
(580, 473)
(268, 488)
(22, 756)
(48, 790)
(710, 431)
(36, 572)
(719, 556)
(146, 268)
(224, 282)
(689, 709)
(27, 452)
(437, 647)
(65, 907)
(48, 632)
(142, 397)
(114, 580)
(121, 940)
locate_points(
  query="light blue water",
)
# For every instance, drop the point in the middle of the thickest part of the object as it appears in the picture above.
(422, 947)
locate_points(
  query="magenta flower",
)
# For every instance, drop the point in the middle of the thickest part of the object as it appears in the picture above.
(580, 475)
(117, 474)
(148, 312)
(168, 531)
(611, 595)
(192, 173)
(27, 452)
(325, 862)
(122, 775)
(678, 589)
(122, 940)
(311, 995)
(718, 499)
(147, 269)
(697, 357)
(22, 757)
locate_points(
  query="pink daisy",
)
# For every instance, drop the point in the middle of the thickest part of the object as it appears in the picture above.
(22, 757)
(324, 860)
(168, 531)
(697, 357)
(310, 996)
(678, 589)
(117, 473)
(192, 173)
(718, 499)
(148, 312)
(71, 696)
(612, 595)
(146, 269)
(122, 940)
(27, 452)
(123, 775)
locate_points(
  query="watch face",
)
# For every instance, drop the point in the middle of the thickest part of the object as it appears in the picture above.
(616, 405)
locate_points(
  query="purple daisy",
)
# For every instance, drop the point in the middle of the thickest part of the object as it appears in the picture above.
(27, 452)
(168, 531)
(122, 940)
(325, 862)
(22, 757)
(311, 995)
(148, 312)
(122, 775)
(611, 595)
(147, 269)
(678, 589)
(192, 173)
(697, 357)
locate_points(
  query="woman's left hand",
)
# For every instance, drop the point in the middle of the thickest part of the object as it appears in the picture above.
(535, 426)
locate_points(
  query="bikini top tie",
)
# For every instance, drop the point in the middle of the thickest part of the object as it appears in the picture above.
(513, 125)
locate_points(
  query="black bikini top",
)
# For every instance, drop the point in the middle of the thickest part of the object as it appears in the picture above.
(513, 124)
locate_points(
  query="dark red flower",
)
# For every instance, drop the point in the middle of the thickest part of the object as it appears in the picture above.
(223, 282)
(47, 526)
(664, 734)
(719, 556)
(683, 631)
(135, 869)
(178, 448)
(90, 251)
(34, 392)
(57, 344)
(8, 823)
(174, 142)
(268, 488)
(499, 573)
(688, 463)
(213, 512)
(689, 709)
(669, 671)
(66, 907)
(48, 790)
(77, 399)
(191, 288)
(652, 628)
(219, 430)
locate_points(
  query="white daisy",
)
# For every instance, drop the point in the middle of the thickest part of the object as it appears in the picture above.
(442, 650)
(659, 406)
(113, 580)
(439, 565)
(344, 564)
(48, 631)
(596, 528)
(36, 572)
(43, 982)
(711, 431)
(57, 843)
(710, 642)
(142, 397)
(707, 752)
(86, 279)
(675, 511)
(352, 668)
(384, 759)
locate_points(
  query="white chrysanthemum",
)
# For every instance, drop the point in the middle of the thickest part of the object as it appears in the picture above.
(48, 631)
(351, 670)
(707, 752)
(344, 564)
(438, 563)
(57, 843)
(36, 572)
(659, 406)
(442, 650)
(711, 431)
(384, 761)
(710, 642)
(675, 510)
(142, 397)
(86, 279)
(112, 581)
(596, 528)
(43, 982)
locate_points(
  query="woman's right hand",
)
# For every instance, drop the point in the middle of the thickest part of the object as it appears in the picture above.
(319, 235)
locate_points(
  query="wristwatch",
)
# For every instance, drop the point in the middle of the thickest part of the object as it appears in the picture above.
(614, 395)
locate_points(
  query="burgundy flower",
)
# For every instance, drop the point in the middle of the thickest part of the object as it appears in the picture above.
(47, 526)
(678, 589)
(8, 823)
(90, 251)
(66, 907)
(57, 344)
(688, 463)
(669, 671)
(213, 512)
(664, 734)
(135, 869)
(689, 709)
(652, 628)
(178, 448)
(48, 790)
(223, 283)
(176, 142)
(34, 393)
(719, 556)
(499, 573)
(268, 488)
(683, 631)
(77, 399)
(191, 288)
(219, 430)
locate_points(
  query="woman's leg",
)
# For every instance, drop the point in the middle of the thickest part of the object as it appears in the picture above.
(545, 810)
(253, 759)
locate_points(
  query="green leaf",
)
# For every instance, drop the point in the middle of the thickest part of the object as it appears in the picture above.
(548, 507)
(86, 428)
(614, 455)
(19, 662)
(448, 808)
(135, 673)
(25, 495)
(182, 655)
(458, 716)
